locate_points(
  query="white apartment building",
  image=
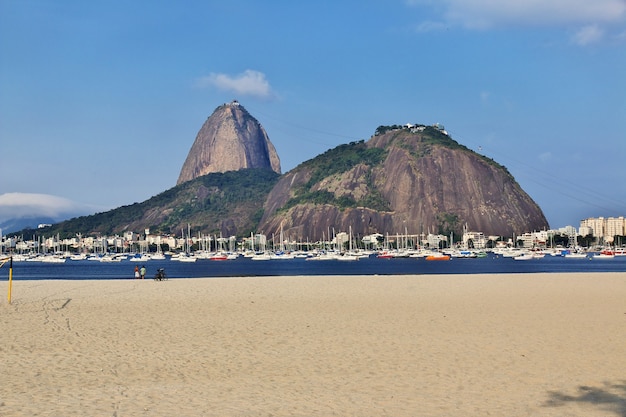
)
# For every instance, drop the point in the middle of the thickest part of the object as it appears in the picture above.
(477, 238)
(604, 228)
(615, 226)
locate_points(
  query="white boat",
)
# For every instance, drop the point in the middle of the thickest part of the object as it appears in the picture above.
(141, 258)
(263, 256)
(52, 259)
(110, 258)
(201, 254)
(347, 257)
(281, 255)
(524, 256)
(511, 253)
(463, 254)
(323, 256)
(185, 258)
(575, 255)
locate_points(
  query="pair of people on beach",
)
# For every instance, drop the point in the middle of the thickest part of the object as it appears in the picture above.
(140, 273)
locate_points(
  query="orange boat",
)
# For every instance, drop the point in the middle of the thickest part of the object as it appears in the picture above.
(438, 257)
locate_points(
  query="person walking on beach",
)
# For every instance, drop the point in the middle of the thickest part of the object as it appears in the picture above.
(136, 272)
(143, 272)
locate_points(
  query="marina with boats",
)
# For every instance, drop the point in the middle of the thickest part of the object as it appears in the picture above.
(316, 262)
(339, 254)
(320, 255)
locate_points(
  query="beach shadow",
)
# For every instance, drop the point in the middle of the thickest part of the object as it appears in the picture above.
(610, 397)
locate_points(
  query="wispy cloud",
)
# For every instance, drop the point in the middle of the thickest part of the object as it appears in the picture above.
(545, 157)
(23, 205)
(487, 13)
(589, 16)
(430, 26)
(588, 35)
(248, 83)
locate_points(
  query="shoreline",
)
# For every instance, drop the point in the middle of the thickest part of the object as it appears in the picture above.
(547, 344)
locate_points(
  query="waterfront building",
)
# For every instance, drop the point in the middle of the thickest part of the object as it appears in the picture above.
(615, 226)
(435, 241)
(372, 241)
(604, 229)
(477, 240)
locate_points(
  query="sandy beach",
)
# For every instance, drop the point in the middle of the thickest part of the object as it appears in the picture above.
(431, 345)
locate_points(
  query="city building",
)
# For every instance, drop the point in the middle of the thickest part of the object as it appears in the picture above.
(604, 229)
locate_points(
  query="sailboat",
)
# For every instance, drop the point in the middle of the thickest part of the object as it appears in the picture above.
(262, 254)
(159, 252)
(281, 254)
(350, 255)
(185, 256)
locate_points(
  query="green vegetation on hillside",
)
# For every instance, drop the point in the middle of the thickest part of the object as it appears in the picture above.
(338, 161)
(205, 202)
(342, 159)
(433, 135)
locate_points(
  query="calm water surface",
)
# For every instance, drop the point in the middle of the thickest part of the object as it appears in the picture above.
(245, 267)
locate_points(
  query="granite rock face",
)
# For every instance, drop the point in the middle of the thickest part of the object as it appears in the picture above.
(421, 182)
(230, 140)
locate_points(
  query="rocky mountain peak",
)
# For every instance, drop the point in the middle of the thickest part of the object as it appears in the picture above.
(417, 180)
(229, 140)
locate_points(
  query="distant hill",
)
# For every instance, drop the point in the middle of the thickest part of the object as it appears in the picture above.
(12, 225)
(229, 203)
(20, 211)
(414, 179)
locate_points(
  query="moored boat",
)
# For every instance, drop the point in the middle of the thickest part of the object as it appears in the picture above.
(524, 256)
(438, 257)
(262, 256)
(218, 257)
(605, 254)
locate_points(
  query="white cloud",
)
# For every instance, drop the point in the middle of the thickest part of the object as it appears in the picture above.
(24, 205)
(248, 83)
(488, 13)
(591, 15)
(588, 35)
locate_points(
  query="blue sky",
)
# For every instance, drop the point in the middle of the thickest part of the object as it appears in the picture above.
(100, 101)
